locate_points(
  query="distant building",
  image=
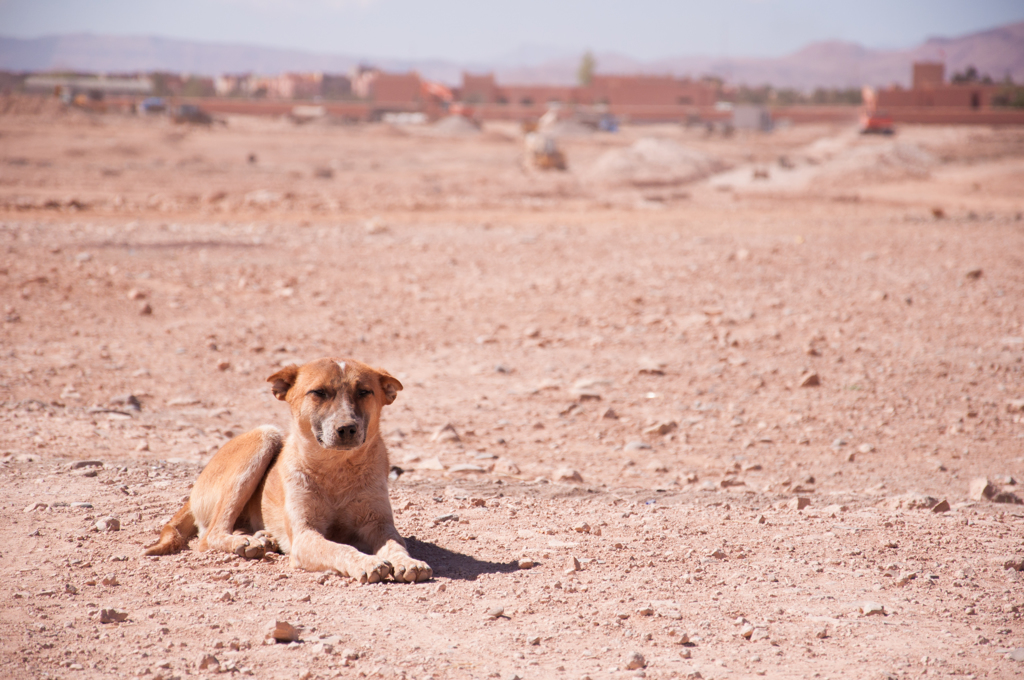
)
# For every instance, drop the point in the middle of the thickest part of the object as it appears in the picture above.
(930, 89)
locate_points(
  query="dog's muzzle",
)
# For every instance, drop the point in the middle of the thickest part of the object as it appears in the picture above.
(344, 435)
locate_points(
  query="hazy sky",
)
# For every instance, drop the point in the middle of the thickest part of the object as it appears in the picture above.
(468, 30)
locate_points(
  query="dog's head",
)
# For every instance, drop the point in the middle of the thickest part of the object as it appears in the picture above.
(336, 402)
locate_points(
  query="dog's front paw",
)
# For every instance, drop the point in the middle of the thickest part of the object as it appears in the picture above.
(409, 570)
(254, 547)
(368, 569)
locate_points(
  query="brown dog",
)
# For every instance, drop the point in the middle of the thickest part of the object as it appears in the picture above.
(320, 495)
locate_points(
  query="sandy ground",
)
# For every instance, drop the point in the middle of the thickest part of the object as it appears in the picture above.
(621, 359)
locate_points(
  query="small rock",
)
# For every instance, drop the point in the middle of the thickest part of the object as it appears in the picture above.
(209, 662)
(109, 580)
(905, 578)
(1016, 654)
(38, 505)
(717, 553)
(1016, 563)
(108, 524)
(821, 632)
(223, 365)
(636, 446)
(663, 428)
(583, 528)
(349, 654)
(759, 633)
(981, 489)
(145, 309)
(1015, 406)
(464, 467)
(446, 433)
(572, 564)
(446, 518)
(495, 612)
(79, 464)
(941, 506)
(645, 611)
(533, 640)
(568, 475)
(609, 414)
(112, 616)
(810, 380)
(226, 596)
(323, 649)
(746, 630)
(866, 448)
(798, 503)
(282, 631)
(526, 563)
(871, 608)
(635, 661)
(973, 273)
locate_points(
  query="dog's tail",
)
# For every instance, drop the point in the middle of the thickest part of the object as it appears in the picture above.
(176, 533)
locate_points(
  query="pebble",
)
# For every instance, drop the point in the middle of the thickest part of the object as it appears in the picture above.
(635, 661)
(609, 414)
(446, 518)
(759, 633)
(465, 467)
(871, 608)
(810, 380)
(821, 632)
(108, 524)
(349, 654)
(323, 649)
(941, 506)
(533, 640)
(798, 503)
(981, 489)
(747, 630)
(145, 309)
(38, 505)
(112, 616)
(209, 662)
(572, 565)
(282, 631)
(446, 433)
(582, 528)
(663, 428)
(109, 580)
(637, 446)
(79, 464)
(568, 475)
(526, 563)
(495, 612)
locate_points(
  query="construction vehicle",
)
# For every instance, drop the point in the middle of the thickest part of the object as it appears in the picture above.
(542, 152)
(876, 123)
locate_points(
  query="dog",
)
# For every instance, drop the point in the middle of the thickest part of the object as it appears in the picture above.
(319, 495)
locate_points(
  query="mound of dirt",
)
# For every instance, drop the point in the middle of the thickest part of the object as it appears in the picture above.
(653, 161)
(455, 126)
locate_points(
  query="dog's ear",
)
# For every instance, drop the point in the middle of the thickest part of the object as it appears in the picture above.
(283, 380)
(390, 385)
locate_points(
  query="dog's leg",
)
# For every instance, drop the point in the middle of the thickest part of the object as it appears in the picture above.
(310, 550)
(224, 492)
(385, 542)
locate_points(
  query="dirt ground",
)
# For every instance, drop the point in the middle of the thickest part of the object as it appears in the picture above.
(628, 366)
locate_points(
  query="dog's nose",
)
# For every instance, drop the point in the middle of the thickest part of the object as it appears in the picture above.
(348, 431)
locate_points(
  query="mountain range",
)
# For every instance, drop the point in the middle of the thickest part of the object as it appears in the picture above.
(998, 52)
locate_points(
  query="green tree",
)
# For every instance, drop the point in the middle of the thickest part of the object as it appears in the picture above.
(585, 74)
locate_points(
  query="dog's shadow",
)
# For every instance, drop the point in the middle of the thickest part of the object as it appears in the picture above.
(454, 565)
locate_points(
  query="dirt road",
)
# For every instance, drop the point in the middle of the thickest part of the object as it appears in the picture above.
(733, 419)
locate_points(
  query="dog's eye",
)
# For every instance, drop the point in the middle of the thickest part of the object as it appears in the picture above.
(319, 394)
(365, 393)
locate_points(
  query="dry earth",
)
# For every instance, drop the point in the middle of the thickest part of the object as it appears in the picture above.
(621, 362)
